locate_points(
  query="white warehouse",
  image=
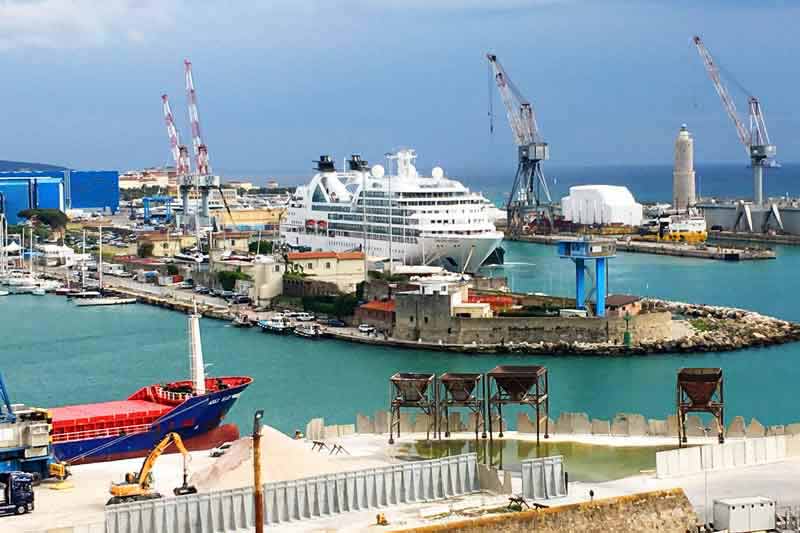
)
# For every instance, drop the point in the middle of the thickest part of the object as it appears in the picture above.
(601, 204)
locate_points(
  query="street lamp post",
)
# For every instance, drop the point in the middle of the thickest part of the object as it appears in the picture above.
(258, 488)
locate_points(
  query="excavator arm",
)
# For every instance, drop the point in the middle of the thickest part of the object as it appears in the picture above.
(137, 485)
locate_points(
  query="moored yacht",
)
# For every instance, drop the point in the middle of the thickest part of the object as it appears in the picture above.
(400, 216)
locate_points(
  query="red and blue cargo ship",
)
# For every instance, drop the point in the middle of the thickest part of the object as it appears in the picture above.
(130, 428)
(193, 408)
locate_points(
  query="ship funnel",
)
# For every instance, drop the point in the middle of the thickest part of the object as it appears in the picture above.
(198, 371)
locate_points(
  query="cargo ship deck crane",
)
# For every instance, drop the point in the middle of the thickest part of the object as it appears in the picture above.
(529, 193)
(755, 140)
(204, 179)
(180, 155)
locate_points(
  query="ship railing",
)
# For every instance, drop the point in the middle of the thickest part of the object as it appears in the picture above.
(170, 396)
(103, 432)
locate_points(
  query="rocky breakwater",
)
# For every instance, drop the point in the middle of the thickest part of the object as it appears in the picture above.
(697, 328)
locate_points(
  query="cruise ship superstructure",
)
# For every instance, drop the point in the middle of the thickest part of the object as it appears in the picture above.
(410, 219)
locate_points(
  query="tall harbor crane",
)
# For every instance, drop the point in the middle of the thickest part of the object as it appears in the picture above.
(530, 193)
(180, 155)
(204, 178)
(755, 140)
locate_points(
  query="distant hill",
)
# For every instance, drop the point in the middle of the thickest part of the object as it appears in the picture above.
(11, 166)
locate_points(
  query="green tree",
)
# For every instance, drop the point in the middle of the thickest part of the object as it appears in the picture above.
(227, 278)
(263, 247)
(172, 270)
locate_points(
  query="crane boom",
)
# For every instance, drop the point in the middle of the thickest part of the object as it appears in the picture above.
(179, 151)
(519, 110)
(200, 148)
(722, 91)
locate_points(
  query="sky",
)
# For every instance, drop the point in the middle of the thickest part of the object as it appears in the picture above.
(281, 82)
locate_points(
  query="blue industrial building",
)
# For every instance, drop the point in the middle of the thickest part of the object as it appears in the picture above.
(91, 190)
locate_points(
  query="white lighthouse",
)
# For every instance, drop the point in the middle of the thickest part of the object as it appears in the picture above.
(683, 183)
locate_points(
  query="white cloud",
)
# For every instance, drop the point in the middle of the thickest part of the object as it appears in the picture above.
(81, 23)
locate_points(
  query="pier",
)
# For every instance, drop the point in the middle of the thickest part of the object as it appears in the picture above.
(706, 251)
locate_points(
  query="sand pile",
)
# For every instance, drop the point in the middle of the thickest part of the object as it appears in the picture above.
(282, 458)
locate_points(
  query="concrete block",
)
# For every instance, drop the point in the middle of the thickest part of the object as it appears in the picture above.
(347, 429)
(423, 423)
(330, 432)
(381, 422)
(637, 425)
(496, 424)
(364, 424)
(406, 424)
(314, 429)
(573, 423)
(792, 429)
(525, 424)
(471, 422)
(489, 479)
(694, 427)
(755, 429)
(657, 428)
(773, 431)
(619, 425)
(736, 428)
(601, 427)
(672, 426)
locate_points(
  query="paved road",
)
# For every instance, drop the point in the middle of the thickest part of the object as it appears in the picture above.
(185, 295)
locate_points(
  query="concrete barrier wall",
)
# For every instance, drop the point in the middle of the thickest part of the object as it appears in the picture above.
(732, 454)
(543, 478)
(286, 501)
(98, 527)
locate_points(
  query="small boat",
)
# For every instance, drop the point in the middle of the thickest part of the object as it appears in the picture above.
(66, 291)
(111, 300)
(85, 294)
(242, 321)
(275, 325)
(308, 331)
(4, 293)
(38, 291)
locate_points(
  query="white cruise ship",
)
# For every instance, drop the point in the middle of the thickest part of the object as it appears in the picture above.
(411, 219)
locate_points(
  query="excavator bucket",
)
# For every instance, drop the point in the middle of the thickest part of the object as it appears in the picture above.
(183, 490)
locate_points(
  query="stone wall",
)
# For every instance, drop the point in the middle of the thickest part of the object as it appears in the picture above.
(666, 511)
(428, 319)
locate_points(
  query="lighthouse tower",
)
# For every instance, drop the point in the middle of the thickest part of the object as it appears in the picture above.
(683, 183)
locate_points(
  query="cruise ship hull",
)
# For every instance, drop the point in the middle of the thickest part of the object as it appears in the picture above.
(455, 253)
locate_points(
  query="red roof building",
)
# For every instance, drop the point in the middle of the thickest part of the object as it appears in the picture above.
(378, 313)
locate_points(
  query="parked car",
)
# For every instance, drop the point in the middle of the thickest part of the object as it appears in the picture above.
(335, 323)
(220, 450)
(304, 317)
(183, 285)
(202, 290)
(240, 299)
(227, 294)
(366, 328)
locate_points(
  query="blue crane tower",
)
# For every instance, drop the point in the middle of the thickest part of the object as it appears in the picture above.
(581, 252)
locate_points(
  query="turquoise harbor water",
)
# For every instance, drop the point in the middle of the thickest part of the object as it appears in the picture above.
(52, 353)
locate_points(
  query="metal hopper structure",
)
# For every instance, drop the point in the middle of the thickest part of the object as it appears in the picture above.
(700, 390)
(412, 391)
(463, 390)
(519, 385)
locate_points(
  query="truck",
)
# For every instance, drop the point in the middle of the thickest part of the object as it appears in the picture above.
(17, 493)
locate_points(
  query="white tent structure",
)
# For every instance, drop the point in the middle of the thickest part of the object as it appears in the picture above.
(601, 204)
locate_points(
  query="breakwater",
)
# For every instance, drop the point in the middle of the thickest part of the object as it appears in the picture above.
(705, 251)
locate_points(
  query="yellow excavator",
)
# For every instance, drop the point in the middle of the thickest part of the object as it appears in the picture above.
(139, 486)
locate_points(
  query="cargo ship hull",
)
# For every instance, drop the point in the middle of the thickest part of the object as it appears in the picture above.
(130, 428)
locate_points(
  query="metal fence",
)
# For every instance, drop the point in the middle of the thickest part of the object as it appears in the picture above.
(227, 511)
(544, 478)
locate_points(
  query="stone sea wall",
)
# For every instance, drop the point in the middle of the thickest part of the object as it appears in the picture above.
(621, 425)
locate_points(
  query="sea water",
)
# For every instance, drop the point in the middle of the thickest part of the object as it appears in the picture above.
(52, 353)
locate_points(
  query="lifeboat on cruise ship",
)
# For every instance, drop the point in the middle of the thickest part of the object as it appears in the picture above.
(311, 225)
(322, 226)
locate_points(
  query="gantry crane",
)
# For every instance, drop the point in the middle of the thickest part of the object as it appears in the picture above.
(530, 193)
(755, 140)
(139, 485)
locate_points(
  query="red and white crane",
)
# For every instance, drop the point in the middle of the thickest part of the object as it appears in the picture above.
(755, 139)
(530, 193)
(200, 149)
(180, 154)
